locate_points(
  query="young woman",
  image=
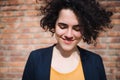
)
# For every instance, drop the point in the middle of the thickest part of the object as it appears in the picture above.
(70, 21)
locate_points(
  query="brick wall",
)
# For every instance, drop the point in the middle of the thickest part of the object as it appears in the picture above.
(20, 33)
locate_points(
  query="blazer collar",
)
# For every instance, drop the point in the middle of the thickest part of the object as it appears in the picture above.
(84, 55)
(46, 58)
(46, 62)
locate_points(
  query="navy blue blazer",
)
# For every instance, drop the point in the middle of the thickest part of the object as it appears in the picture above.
(39, 63)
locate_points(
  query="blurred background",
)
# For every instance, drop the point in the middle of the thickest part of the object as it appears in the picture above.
(20, 33)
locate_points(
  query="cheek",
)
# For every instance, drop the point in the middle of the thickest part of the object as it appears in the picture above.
(59, 32)
(78, 35)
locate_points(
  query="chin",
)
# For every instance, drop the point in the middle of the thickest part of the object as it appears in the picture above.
(67, 47)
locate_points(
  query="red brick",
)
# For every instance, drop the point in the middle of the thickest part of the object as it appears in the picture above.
(27, 7)
(16, 25)
(6, 13)
(106, 59)
(2, 26)
(20, 47)
(114, 9)
(8, 36)
(110, 64)
(116, 28)
(110, 40)
(2, 47)
(98, 46)
(16, 64)
(3, 58)
(46, 35)
(15, 69)
(17, 58)
(10, 8)
(116, 16)
(2, 76)
(45, 41)
(13, 75)
(113, 33)
(3, 69)
(10, 31)
(118, 59)
(113, 52)
(118, 77)
(31, 30)
(17, 53)
(115, 40)
(6, 42)
(116, 21)
(11, 2)
(101, 52)
(3, 64)
(9, 20)
(0, 36)
(110, 3)
(32, 13)
(111, 77)
(24, 36)
(102, 34)
(32, 24)
(1, 52)
(30, 2)
(16, 41)
(18, 13)
(30, 18)
(11, 13)
(42, 46)
(114, 46)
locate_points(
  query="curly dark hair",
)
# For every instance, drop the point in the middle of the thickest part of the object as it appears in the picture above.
(92, 15)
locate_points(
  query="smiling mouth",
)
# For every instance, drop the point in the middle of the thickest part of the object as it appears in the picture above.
(67, 41)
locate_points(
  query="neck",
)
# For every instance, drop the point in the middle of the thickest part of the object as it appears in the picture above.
(66, 54)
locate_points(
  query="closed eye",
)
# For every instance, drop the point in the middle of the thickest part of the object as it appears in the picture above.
(77, 28)
(62, 25)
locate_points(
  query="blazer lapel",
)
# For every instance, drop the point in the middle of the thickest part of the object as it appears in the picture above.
(47, 57)
(84, 56)
(46, 65)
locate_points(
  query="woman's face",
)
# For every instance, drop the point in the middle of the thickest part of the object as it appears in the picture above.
(67, 30)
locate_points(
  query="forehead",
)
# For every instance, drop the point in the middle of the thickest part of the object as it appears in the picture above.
(67, 16)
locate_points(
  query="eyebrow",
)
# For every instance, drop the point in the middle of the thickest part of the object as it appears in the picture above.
(67, 24)
(63, 24)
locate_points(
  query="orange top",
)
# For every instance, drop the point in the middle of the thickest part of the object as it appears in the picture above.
(77, 74)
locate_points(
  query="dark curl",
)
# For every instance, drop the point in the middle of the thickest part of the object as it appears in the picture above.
(94, 18)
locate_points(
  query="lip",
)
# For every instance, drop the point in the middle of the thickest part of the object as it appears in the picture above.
(67, 41)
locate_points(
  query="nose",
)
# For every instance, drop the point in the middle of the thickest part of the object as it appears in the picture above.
(69, 34)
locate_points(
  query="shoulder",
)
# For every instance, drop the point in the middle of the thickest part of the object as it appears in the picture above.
(89, 54)
(42, 51)
(91, 58)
